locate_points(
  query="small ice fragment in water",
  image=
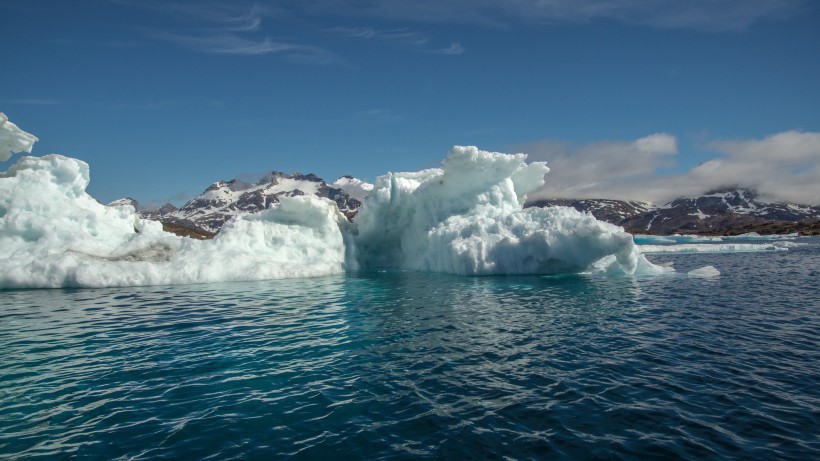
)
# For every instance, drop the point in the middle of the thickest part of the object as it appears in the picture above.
(705, 271)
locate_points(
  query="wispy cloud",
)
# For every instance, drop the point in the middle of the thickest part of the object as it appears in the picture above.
(228, 29)
(454, 48)
(377, 115)
(783, 166)
(417, 40)
(224, 43)
(398, 36)
(234, 17)
(710, 15)
(34, 102)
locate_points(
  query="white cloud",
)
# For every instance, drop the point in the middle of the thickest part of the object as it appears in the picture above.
(711, 15)
(784, 166)
(232, 44)
(781, 166)
(224, 28)
(34, 102)
(600, 168)
(219, 16)
(454, 48)
(419, 41)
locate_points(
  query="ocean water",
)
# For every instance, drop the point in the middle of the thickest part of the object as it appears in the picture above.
(409, 365)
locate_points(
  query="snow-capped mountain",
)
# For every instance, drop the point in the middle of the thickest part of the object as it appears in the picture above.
(719, 211)
(354, 187)
(613, 211)
(223, 200)
(126, 201)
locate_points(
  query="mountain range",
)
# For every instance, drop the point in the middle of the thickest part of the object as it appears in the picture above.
(205, 214)
(727, 211)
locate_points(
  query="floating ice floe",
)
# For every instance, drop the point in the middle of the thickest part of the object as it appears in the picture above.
(464, 218)
(675, 239)
(704, 272)
(711, 248)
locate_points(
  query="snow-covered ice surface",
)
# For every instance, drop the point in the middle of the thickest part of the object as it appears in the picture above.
(467, 218)
(53, 234)
(675, 239)
(13, 140)
(653, 244)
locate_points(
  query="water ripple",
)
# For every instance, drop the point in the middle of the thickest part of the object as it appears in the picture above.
(403, 364)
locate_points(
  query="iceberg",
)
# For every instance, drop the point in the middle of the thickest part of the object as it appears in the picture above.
(464, 218)
(53, 234)
(467, 218)
(13, 140)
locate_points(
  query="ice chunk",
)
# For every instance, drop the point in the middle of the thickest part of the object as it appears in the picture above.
(706, 271)
(13, 140)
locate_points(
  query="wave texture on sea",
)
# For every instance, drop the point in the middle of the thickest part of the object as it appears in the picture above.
(403, 364)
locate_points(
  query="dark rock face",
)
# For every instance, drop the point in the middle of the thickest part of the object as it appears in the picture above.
(223, 200)
(724, 211)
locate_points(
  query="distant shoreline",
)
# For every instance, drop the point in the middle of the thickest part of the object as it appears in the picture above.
(808, 228)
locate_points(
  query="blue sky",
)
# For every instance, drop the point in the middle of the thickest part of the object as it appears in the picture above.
(162, 98)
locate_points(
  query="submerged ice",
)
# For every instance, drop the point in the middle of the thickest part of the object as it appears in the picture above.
(463, 218)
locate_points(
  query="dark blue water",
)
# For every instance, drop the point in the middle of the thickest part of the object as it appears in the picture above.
(409, 365)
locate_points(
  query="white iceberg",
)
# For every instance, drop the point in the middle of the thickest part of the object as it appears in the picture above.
(53, 234)
(465, 218)
(13, 140)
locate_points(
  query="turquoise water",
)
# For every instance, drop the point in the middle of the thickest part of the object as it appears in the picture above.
(410, 365)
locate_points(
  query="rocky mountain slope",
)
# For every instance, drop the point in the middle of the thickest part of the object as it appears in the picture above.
(724, 211)
(721, 212)
(222, 200)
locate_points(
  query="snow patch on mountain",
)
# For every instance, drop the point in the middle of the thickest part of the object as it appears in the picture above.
(353, 187)
(716, 211)
(224, 200)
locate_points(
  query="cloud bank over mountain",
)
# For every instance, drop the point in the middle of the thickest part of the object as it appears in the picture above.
(783, 166)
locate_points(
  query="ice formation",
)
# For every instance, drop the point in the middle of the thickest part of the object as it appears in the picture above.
(53, 234)
(467, 218)
(13, 140)
(464, 218)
